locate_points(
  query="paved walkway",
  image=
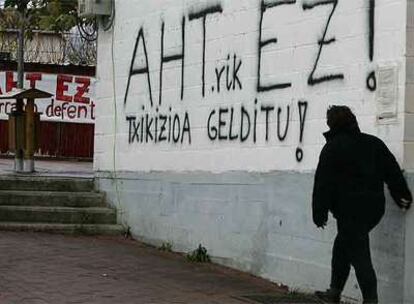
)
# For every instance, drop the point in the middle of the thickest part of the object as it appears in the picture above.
(52, 168)
(42, 268)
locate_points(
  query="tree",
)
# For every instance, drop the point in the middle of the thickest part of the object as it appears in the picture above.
(47, 15)
(9, 19)
(78, 46)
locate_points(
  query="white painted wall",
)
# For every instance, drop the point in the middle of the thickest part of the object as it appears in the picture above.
(240, 199)
(409, 153)
(236, 31)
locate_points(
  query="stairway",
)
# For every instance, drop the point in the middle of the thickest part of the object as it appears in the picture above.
(55, 205)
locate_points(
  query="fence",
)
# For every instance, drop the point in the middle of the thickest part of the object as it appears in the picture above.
(49, 48)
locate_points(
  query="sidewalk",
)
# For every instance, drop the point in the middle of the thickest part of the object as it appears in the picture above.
(40, 268)
(54, 269)
(52, 168)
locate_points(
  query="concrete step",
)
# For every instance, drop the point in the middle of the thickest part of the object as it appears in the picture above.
(71, 229)
(63, 215)
(51, 198)
(41, 183)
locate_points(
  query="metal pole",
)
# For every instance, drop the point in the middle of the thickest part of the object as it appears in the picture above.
(18, 160)
(20, 51)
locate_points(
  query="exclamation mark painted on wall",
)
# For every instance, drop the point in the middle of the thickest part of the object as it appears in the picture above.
(303, 108)
(371, 80)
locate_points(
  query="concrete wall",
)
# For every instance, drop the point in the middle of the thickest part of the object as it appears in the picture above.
(296, 73)
(409, 152)
(409, 252)
(210, 119)
(255, 222)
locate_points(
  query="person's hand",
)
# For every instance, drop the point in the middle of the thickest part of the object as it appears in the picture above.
(405, 204)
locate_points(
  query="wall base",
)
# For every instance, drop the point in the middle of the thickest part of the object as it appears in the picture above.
(259, 223)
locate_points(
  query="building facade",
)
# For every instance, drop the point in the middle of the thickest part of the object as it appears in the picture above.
(210, 124)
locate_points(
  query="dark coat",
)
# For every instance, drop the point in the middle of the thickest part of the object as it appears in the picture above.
(349, 180)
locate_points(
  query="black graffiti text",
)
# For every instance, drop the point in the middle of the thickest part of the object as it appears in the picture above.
(228, 76)
(313, 80)
(264, 43)
(240, 123)
(158, 127)
(202, 14)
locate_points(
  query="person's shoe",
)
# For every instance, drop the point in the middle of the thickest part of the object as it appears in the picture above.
(329, 296)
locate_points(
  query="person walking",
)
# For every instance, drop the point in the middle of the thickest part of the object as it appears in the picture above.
(349, 183)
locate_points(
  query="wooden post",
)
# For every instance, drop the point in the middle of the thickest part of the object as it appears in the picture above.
(30, 136)
(24, 124)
